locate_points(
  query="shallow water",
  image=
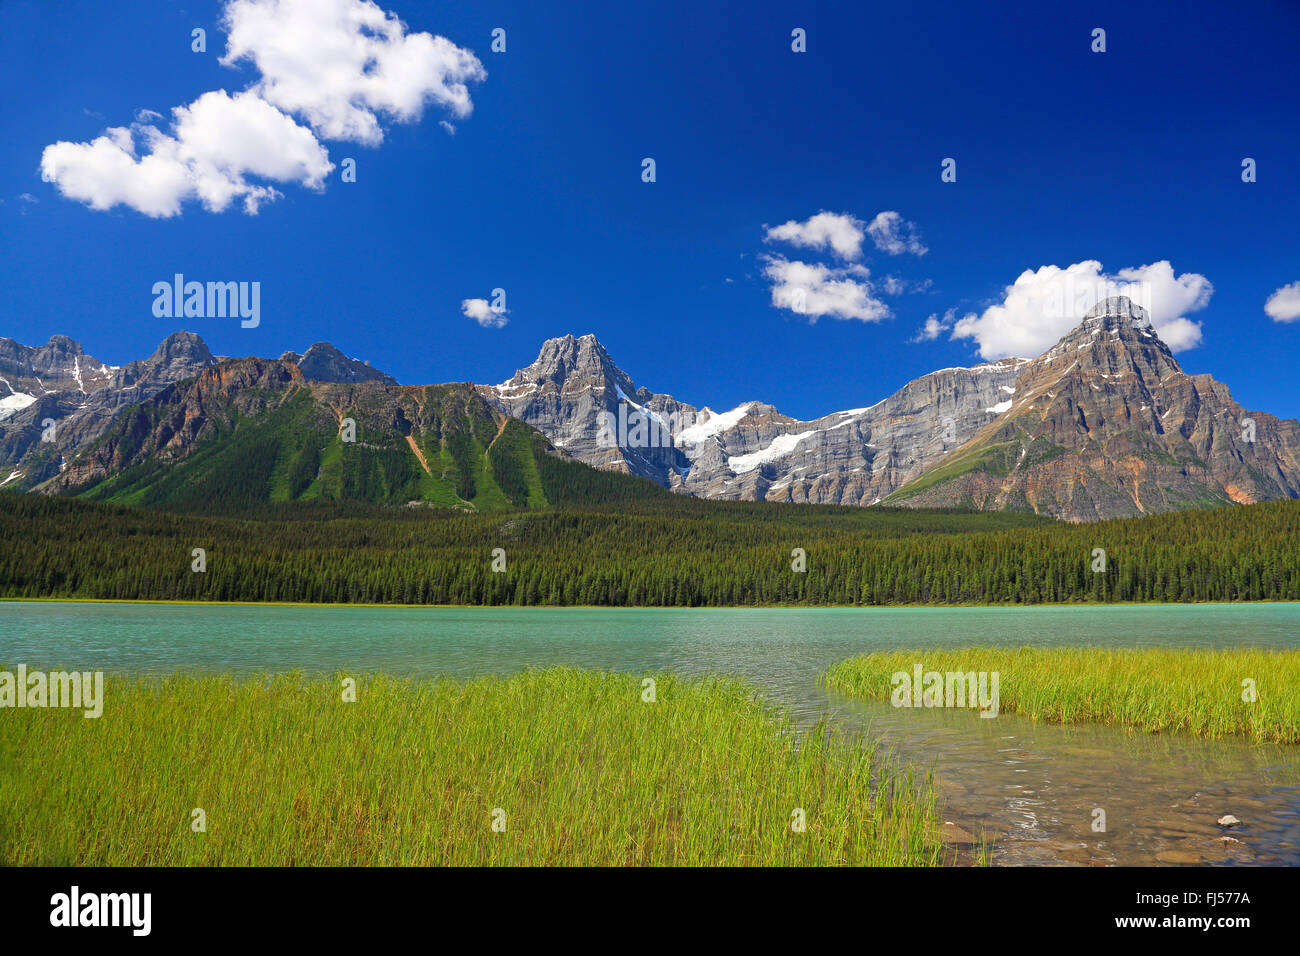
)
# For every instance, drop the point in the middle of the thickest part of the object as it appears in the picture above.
(1033, 789)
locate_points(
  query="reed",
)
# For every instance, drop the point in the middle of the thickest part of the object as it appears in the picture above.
(1165, 690)
(578, 769)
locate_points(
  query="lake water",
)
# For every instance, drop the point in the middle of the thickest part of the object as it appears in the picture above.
(1032, 788)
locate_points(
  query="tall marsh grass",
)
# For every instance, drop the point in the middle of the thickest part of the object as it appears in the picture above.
(1156, 690)
(584, 772)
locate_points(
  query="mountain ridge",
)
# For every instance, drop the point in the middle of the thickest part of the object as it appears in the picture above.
(933, 442)
(248, 432)
(1107, 424)
(59, 384)
(1104, 424)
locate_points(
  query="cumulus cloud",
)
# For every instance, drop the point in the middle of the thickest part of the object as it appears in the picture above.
(215, 143)
(839, 231)
(841, 291)
(815, 290)
(342, 66)
(481, 311)
(895, 235)
(935, 326)
(1284, 304)
(1041, 306)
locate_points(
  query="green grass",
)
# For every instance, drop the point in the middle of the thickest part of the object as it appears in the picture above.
(584, 770)
(436, 488)
(274, 445)
(995, 459)
(1158, 691)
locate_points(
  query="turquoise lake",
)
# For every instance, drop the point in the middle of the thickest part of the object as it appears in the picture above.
(1033, 788)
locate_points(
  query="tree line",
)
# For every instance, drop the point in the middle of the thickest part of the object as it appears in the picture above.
(661, 551)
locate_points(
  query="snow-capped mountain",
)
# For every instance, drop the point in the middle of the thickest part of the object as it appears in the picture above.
(55, 399)
(1104, 424)
(1107, 424)
(578, 397)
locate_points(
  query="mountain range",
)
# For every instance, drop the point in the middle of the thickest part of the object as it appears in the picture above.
(1104, 424)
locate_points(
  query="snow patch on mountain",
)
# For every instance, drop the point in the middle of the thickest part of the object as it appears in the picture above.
(711, 423)
(781, 446)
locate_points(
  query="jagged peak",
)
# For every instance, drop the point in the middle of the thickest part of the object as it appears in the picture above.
(565, 355)
(323, 362)
(327, 347)
(571, 343)
(1118, 307)
(66, 344)
(182, 345)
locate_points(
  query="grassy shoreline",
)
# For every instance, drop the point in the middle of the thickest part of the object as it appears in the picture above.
(1165, 690)
(576, 765)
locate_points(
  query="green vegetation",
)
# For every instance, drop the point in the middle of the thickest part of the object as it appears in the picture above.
(583, 771)
(437, 445)
(656, 550)
(1158, 690)
(995, 459)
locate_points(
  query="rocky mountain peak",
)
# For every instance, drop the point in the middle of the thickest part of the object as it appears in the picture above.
(568, 361)
(1118, 307)
(1107, 424)
(1113, 340)
(577, 396)
(752, 451)
(182, 347)
(62, 343)
(322, 362)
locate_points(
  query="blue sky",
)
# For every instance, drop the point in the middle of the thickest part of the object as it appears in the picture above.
(1130, 157)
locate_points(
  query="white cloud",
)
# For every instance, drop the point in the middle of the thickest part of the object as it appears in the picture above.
(895, 235)
(1043, 305)
(214, 143)
(481, 311)
(892, 285)
(1284, 304)
(842, 292)
(840, 231)
(817, 290)
(935, 326)
(342, 64)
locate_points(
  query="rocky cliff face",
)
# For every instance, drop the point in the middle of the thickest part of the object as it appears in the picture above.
(54, 399)
(251, 432)
(579, 398)
(588, 407)
(169, 426)
(1106, 424)
(853, 457)
(58, 382)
